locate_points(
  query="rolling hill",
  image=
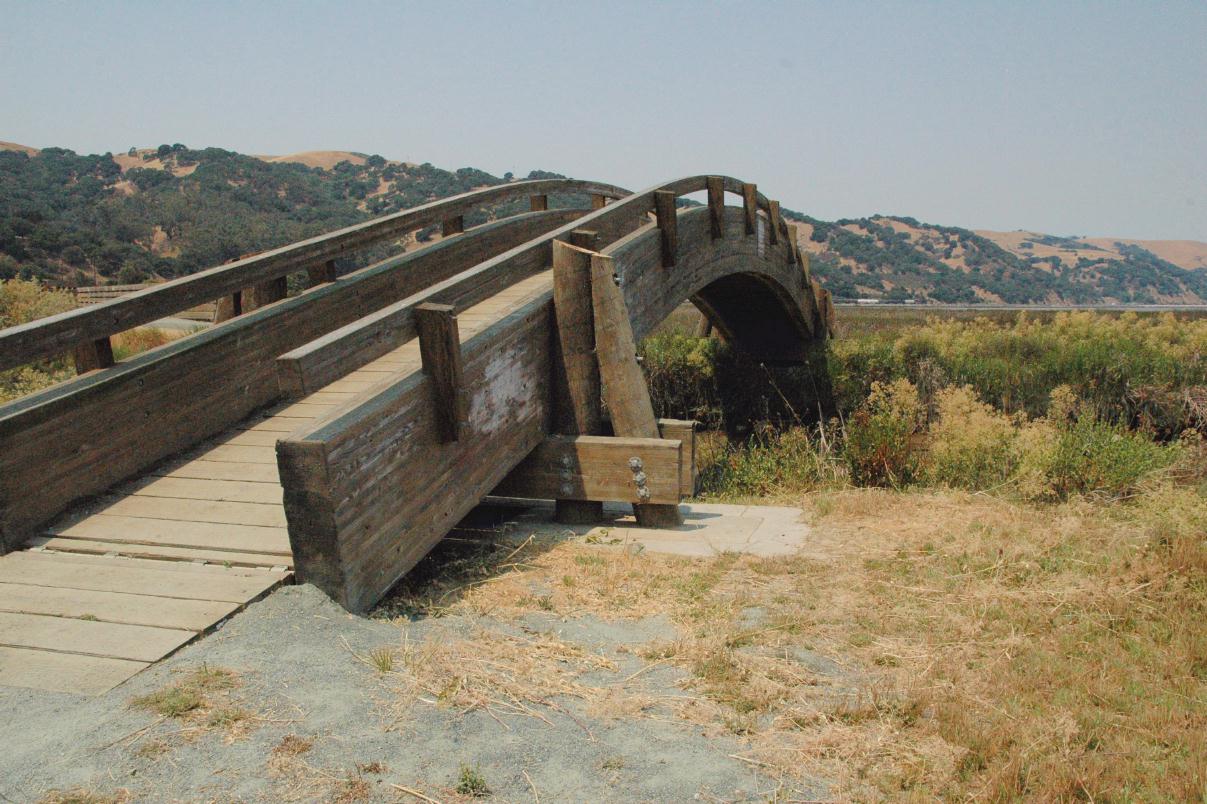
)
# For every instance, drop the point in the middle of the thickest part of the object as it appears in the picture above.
(70, 219)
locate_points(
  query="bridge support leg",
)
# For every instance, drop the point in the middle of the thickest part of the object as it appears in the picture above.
(576, 374)
(624, 386)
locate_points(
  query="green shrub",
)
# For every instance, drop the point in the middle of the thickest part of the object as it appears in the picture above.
(879, 446)
(1089, 456)
(972, 445)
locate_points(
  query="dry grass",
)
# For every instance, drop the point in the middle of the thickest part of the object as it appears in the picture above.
(202, 700)
(947, 645)
(84, 796)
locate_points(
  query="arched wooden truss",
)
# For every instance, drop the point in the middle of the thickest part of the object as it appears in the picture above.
(400, 395)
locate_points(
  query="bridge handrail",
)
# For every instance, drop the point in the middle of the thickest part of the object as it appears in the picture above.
(60, 333)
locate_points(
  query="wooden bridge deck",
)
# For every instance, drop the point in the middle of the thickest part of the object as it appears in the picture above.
(132, 576)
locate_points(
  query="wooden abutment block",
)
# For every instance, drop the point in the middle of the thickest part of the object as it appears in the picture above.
(600, 468)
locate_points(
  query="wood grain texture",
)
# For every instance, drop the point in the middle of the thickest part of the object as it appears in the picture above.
(576, 370)
(750, 207)
(716, 206)
(61, 333)
(603, 468)
(173, 396)
(440, 351)
(664, 209)
(93, 355)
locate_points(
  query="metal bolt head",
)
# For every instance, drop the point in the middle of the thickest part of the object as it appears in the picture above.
(635, 464)
(643, 493)
(639, 478)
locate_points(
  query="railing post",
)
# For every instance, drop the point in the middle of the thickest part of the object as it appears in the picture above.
(538, 203)
(792, 255)
(92, 355)
(773, 221)
(716, 206)
(668, 225)
(440, 352)
(228, 307)
(452, 226)
(750, 206)
(598, 201)
(322, 273)
(265, 293)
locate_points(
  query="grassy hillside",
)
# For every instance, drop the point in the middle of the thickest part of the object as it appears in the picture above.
(74, 220)
(897, 259)
(68, 219)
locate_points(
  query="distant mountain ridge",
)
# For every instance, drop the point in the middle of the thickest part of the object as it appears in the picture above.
(168, 211)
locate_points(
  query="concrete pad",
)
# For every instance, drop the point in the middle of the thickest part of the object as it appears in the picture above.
(708, 529)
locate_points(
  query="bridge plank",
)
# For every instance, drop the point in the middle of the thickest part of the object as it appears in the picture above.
(63, 672)
(228, 512)
(224, 558)
(210, 535)
(201, 489)
(114, 607)
(116, 575)
(219, 470)
(141, 643)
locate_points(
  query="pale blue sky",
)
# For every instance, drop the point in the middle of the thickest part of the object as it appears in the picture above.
(1070, 118)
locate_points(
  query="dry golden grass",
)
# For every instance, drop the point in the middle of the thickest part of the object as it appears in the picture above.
(981, 648)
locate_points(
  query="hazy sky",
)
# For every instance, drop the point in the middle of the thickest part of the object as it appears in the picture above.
(1070, 118)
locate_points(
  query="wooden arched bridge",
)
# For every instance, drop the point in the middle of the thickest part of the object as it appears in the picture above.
(342, 431)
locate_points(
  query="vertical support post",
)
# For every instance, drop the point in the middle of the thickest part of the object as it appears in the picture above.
(793, 256)
(538, 203)
(668, 225)
(716, 206)
(440, 351)
(452, 226)
(598, 201)
(265, 293)
(576, 373)
(228, 307)
(321, 274)
(93, 355)
(773, 221)
(623, 383)
(750, 206)
(683, 430)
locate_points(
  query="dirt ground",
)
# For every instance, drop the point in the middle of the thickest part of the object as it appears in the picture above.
(427, 700)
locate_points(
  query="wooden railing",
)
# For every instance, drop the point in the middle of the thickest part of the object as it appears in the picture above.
(90, 327)
(372, 485)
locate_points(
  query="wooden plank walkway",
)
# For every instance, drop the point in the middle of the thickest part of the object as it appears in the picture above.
(126, 579)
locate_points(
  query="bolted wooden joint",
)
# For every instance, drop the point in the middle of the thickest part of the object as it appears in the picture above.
(750, 206)
(716, 206)
(440, 351)
(668, 225)
(452, 226)
(538, 203)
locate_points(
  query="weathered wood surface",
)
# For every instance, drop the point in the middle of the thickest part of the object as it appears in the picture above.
(354, 533)
(602, 468)
(331, 356)
(624, 388)
(171, 397)
(440, 351)
(61, 333)
(83, 624)
(759, 301)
